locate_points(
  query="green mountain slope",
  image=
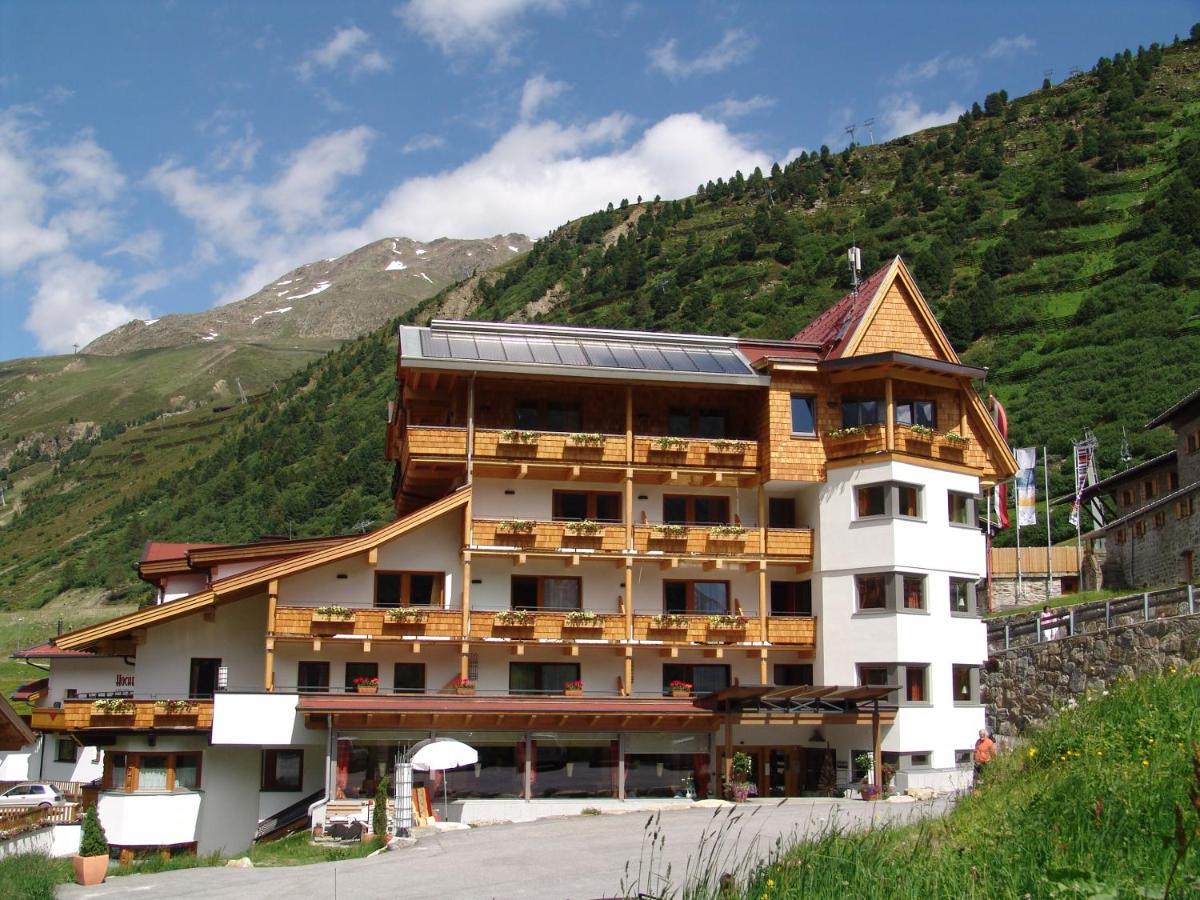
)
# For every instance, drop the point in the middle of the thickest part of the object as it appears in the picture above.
(1056, 236)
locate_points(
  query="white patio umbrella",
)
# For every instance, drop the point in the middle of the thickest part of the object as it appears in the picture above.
(441, 754)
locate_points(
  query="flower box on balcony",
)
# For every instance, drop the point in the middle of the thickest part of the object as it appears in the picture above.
(726, 623)
(581, 619)
(337, 614)
(113, 707)
(514, 527)
(725, 447)
(514, 618)
(513, 437)
(666, 446)
(573, 688)
(463, 687)
(406, 616)
(669, 532)
(680, 688)
(727, 533)
(366, 685)
(668, 622)
(175, 709)
(583, 528)
(586, 441)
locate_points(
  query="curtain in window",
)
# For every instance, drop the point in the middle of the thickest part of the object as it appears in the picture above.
(560, 593)
(186, 771)
(152, 775)
(711, 597)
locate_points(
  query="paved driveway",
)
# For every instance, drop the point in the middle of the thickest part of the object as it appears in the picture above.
(576, 858)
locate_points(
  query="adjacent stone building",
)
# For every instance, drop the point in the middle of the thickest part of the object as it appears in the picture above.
(1027, 585)
(1153, 539)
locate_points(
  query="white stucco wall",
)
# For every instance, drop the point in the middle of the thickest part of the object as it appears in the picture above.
(231, 780)
(260, 719)
(434, 547)
(96, 675)
(150, 820)
(15, 765)
(441, 660)
(183, 585)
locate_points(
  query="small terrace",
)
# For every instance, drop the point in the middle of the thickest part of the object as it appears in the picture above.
(115, 711)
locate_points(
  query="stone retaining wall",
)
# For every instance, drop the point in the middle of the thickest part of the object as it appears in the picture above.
(1027, 684)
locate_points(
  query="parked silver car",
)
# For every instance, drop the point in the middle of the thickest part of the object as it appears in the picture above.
(32, 794)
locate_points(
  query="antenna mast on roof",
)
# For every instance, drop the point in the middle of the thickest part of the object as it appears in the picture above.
(854, 257)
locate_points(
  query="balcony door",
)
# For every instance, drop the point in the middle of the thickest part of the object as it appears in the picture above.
(202, 682)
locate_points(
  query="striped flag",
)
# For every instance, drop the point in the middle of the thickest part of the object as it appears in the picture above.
(1000, 417)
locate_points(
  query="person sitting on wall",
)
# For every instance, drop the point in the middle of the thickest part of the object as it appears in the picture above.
(985, 749)
(1050, 632)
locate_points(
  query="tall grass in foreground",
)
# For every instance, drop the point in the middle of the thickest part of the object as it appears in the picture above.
(1104, 801)
(33, 876)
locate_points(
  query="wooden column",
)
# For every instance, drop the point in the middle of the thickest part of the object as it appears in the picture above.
(890, 412)
(628, 473)
(764, 603)
(962, 412)
(269, 655)
(628, 686)
(628, 601)
(471, 429)
(466, 596)
(877, 747)
(727, 768)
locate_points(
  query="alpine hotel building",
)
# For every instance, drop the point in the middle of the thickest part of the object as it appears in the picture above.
(618, 558)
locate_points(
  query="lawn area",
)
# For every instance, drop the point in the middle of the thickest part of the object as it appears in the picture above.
(1068, 600)
(1104, 801)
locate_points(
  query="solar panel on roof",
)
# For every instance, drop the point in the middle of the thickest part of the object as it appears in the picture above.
(730, 362)
(489, 349)
(571, 353)
(625, 356)
(544, 352)
(677, 360)
(516, 349)
(703, 359)
(463, 347)
(651, 358)
(600, 355)
(438, 346)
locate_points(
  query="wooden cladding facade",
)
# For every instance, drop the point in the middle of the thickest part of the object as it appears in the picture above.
(76, 715)
(298, 621)
(548, 626)
(547, 537)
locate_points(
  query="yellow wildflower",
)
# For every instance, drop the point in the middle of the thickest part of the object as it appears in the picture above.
(770, 883)
(1145, 762)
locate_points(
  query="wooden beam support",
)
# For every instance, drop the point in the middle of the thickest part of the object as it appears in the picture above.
(373, 556)
(889, 405)
(715, 652)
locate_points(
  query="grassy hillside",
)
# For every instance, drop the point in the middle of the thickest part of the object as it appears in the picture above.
(1103, 802)
(1056, 236)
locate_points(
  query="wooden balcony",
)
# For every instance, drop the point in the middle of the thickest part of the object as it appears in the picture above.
(548, 626)
(548, 446)
(545, 537)
(695, 453)
(694, 629)
(872, 439)
(793, 631)
(694, 540)
(930, 445)
(433, 440)
(301, 621)
(790, 543)
(140, 714)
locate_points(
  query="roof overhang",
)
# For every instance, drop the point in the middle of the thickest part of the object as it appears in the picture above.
(894, 359)
(1169, 415)
(831, 699)
(15, 733)
(1103, 486)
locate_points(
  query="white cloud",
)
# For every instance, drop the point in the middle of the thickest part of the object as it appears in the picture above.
(420, 142)
(469, 25)
(143, 245)
(69, 306)
(24, 236)
(539, 90)
(86, 170)
(350, 45)
(300, 194)
(902, 114)
(943, 63)
(224, 213)
(239, 153)
(735, 45)
(732, 108)
(1010, 46)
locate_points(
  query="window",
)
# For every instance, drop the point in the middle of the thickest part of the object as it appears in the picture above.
(793, 674)
(916, 760)
(574, 506)
(710, 597)
(541, 678)
(65, 750)
(549, 415)
(408, 678)
(702, 423)
(544, 592)
(914, 591)
(964, 757)
(202, 681)
(960, 508)
(704, 678)
(1150, 488)
(1160, 519)
(695, 509)
(874, 676)
(781, 512)
(966, 684)
(151, 772)
(395, 589)
(791, 598)
(312, 677)
(360, 670)
(1185, 507)
(1127, 497)
(914, 684)
(962, 597)
(872, 591)
(858, 411)
(1172, 481)
(871, 500)
(888, 499)
(282, 770)
(1189, 572)
(804, 418)
(1193, 442)
(916, 412)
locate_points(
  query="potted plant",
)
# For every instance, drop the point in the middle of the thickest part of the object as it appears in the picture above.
(518, 437)
(581, 618)
(955, 439)
(680, 688)
(514, 618)
(463, 686)
(573, 688)
(667, 444)
(113, 706)
(514, 526)
(670, 531)
(726, 622)
(727, 447)
(868, 790)
(920, 432)
(366, 684)
(407, 615)
(668, 622)
(332, 614)
(849, 433)
(727, 532)
(583, 527)
(91, 862)
(587, 439)
(174, 707)
(740, 787)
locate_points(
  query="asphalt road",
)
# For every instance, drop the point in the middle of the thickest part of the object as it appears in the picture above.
(576, 858)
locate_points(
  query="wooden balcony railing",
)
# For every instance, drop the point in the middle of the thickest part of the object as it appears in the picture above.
(546, 537)
(432, 440)
(195, 715)
(931, 444)
(693, 540)
(790, 543)
(872, 439)
(548, 626)
(304, 621)
(696, 452)
(694, 629)
(548, 446)
(798, 631)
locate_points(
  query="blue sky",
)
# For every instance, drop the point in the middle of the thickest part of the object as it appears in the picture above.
(166, 157)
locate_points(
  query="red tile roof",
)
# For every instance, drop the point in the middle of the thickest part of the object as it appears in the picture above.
(832, 329)
(48, 651)
(156, 551)
(25, 691)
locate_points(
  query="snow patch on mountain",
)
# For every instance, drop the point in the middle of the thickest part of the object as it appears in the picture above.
(321, 286)
(395, 266)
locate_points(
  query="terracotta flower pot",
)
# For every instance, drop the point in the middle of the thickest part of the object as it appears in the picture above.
(368, 689)
(681, 693)
(90, 870)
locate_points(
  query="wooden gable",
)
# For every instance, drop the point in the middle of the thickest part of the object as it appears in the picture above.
(900, 319)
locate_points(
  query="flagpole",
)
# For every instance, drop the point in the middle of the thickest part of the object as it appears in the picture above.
(1049, 552)
(991, 601)
(1020, 579)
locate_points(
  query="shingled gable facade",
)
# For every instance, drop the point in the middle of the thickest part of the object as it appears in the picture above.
(619, 557)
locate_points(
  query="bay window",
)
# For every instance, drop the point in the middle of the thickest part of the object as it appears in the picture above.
(151, 772)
